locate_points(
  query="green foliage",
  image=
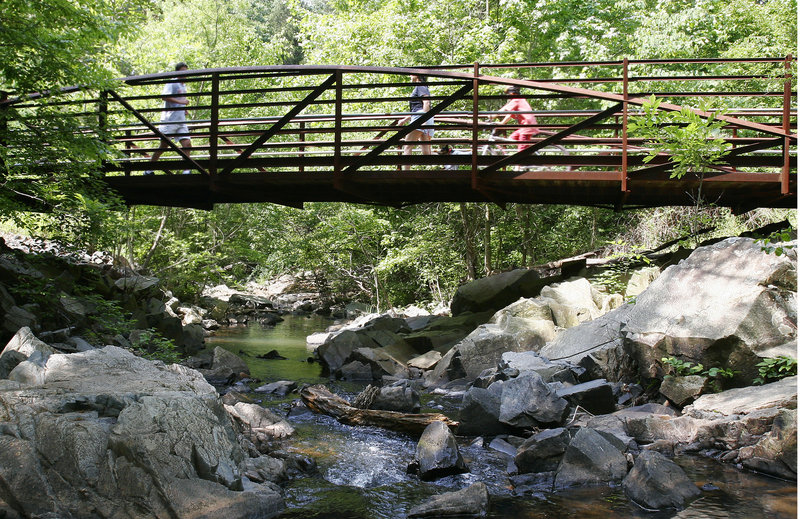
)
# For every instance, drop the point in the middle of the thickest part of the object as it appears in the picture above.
(615, 276)
(692, 142)
(152, 345)
(777, 242)
(776, 368)
(681, 368)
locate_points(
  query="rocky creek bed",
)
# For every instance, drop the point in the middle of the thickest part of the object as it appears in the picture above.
(555, 394)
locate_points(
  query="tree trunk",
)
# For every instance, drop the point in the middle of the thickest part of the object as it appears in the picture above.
(487, 241)
(320, 400)
(468, 242)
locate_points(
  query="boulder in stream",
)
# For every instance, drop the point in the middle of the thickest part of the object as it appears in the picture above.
(437, 454)
(656, 483)
(472, 501)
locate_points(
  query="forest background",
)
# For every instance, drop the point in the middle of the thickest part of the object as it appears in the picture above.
(384, 256)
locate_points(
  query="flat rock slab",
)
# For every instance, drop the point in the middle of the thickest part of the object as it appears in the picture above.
(782, 393)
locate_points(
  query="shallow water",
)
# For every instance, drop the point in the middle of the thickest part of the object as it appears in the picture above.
(362, 470)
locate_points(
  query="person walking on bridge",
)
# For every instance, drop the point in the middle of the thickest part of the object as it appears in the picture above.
(419, 103)
(519, 109)
(173, 118)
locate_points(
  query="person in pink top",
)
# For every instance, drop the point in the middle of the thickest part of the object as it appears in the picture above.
(516, 105)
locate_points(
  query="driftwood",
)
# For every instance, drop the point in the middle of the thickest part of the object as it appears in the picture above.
(320, 400)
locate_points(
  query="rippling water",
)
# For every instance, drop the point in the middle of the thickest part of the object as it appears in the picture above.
(363, 469)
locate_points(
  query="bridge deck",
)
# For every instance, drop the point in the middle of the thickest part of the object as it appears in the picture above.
(291, 135)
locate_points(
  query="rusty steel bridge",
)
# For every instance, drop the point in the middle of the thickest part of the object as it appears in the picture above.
(295, 134)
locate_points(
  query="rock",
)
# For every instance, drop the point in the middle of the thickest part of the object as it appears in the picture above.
(472, 501)
(356, 371)
(500, 445)
(265, 468)
(400, 398)
(379, 361)
(281, 387)
(527, 401)
(739, 401)
(437, 454)
(193, 339)
(682, 390)
(271, 355)
(657, 483)
(31, 371)
(571, 302)
(225, 366)
(425, 361)
(542, 452)
(142, 286)
(596, 346)
(334, 352)
(596, 396)
(17, 317)
(590, 459)
(480, 412)
(260, 425)
(720, 307)
(776, 452)
(111, 434)
(640, 279)
(495, 292)
(19, 348)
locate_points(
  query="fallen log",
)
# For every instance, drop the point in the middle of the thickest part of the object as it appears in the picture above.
(320, 400)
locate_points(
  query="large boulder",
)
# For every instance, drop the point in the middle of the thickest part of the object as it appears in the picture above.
(495, 292)
(260, 425)
(469, 502)
(109, 434)
(480, 411)
(776, 452)
(656, 482)
(597, 346)
(720, 307)
(225, 366)
(437, 454)
(527, 401)
(573, 302)
(19, 348)
(590, 459)
(335, 352)
(542, 452)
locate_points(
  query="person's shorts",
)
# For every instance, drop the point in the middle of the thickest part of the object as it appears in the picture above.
(177, 131)
(524, 134)
(427, 126)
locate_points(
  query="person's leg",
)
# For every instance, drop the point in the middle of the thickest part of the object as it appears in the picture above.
(426, 138)
(414, 136)
(186, 144)
(157, 154)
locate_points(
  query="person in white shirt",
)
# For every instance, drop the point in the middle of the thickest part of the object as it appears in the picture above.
(173, 118)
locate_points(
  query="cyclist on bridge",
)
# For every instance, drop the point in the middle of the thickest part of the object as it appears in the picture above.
(517, 108)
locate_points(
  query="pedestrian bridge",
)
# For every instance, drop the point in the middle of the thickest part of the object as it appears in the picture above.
(295, 134)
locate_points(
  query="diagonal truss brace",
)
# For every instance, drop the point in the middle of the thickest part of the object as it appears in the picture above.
(157, 131)
(279, 124)
(605, 114)
(397, 137)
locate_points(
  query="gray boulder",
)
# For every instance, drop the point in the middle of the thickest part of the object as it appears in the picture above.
(527, 401)
(109, 434)
(498, 291)
(776, 452)
(656, 482)
(21, 346)
(682, 390)
(480, 411)
(596, 396)
(426, 360)
(260, 425)
(17, 317)
(356, 370)
(542, 452)
(225, 366)
(399, 398)
(597, 346)
(472, 501)
(721, 306)
(437, 454)
(281, 387)
(573, 302)
(590, 459)
(531, 361)
(334, 352)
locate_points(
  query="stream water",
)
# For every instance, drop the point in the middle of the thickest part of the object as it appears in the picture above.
(362, 469)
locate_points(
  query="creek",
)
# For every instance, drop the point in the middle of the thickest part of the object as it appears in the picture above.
(362, 469)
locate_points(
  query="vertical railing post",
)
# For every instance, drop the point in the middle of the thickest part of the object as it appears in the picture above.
(624, 169)
(102, 122)
(475, 100)
(337, 129)
(213, 131)
(787, 101)
(4, 111)
(302, 138)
